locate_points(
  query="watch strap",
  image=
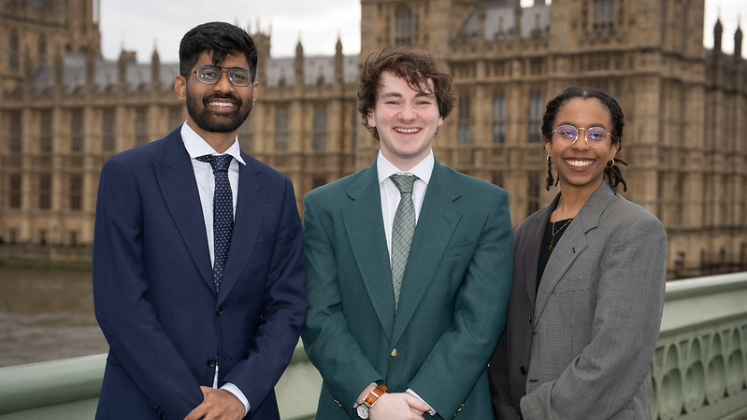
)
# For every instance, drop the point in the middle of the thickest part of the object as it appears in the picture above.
(374, 395)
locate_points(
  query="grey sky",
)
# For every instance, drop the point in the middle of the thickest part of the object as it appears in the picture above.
(144, 25)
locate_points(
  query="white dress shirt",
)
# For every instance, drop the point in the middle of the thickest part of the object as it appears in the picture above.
(390, 197)
(197, 147)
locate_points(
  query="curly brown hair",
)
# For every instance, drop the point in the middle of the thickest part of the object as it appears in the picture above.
(416, 67)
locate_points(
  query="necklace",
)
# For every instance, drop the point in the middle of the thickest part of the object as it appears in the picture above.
(554, 233)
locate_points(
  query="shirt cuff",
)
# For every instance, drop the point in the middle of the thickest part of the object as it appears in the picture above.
(233, 389)
(431, 411)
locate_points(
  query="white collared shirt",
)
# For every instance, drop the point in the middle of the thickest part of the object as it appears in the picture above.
(196, 146)
(390, 195)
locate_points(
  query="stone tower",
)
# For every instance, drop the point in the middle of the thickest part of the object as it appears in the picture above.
(33, 33)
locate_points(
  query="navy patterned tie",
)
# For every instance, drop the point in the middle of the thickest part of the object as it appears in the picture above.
(222, 213)
(402, 231)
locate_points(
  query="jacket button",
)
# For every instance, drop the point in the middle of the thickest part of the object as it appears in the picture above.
(219, 312)
(523, 370)
(394, 353)
(212, 362)
(530, 319)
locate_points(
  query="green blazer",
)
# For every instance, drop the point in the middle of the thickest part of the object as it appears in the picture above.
(453, 302)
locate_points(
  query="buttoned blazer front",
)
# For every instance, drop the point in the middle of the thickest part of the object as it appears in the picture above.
(583, 347)
(453, 299)
(154, 295)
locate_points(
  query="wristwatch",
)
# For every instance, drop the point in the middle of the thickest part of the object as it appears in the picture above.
(370, 400)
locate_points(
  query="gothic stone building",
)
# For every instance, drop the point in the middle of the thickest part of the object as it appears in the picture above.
(65, 110)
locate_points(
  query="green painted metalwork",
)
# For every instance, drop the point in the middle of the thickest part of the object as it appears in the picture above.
(62, 389)
(700, 369)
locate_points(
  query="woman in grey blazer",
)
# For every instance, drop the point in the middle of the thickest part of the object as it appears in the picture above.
(589, 279)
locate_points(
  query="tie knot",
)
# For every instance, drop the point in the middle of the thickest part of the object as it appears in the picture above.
(404, 183)
(218, 162)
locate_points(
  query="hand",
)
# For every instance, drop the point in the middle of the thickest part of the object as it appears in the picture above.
(218, 404)
(398, 406)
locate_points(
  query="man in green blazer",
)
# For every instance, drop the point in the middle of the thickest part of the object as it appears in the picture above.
(398, 335)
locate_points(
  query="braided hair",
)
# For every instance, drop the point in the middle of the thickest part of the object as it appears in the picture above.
(612, 173)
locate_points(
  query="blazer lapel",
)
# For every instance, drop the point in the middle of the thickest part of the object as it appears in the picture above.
(572, 244)
(438, 219)
(365, 227)
(176, 180)
(249, 214)
(531, 250)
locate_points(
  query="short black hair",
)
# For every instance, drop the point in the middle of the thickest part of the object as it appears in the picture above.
(221, 39)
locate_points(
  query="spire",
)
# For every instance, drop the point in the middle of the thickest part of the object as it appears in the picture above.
(339, 67)
(155, 70)
(299, 63)
(718, 31)
(517, 21)
(738, 42)
(155, 57)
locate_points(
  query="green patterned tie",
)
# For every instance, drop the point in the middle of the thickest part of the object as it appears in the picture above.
(402, 230)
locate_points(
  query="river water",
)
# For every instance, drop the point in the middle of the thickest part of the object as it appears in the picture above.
(46, 315)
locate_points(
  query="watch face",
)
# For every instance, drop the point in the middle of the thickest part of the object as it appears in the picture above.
(362, 411)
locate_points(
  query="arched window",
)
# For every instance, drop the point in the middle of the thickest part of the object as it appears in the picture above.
(320, 128)
(14, 52)
(499, 118)
(604, 15)
(464, 134)
(108, 136)
(76, 130)
(403, 27)
(42, 51)
(141, 126)
(536, 109)
(281, 129)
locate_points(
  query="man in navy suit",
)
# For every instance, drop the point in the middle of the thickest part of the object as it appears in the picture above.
(185, 342)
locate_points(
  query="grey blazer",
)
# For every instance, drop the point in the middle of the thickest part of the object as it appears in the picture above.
(581, 345)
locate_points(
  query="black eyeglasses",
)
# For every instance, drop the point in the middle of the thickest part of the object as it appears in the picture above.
(210, 75)
(595, 137)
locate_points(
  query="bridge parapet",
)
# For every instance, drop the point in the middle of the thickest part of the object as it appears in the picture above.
(700, 369)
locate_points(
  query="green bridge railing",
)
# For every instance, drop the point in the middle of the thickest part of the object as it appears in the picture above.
(700, 367)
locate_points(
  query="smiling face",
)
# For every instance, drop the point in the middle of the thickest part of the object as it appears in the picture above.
(579, 166)
(406, 121)
(219, 108)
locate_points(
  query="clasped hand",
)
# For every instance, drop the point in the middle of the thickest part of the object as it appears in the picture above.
(218, 404)
(398, 406)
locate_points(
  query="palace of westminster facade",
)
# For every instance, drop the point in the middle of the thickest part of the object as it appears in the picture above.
(65, 110)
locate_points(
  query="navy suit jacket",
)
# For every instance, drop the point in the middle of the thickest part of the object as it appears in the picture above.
(154, 295)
